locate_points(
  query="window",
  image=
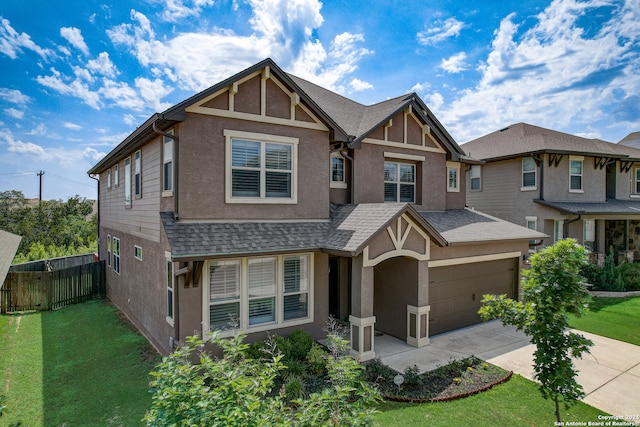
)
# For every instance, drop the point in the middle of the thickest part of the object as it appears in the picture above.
(116, 255)
(474, 177)
(338, 179)
(453, 173)
(399, 182)
(116, 175)
(637, 181)
(259, 293)
(528, 173)
(224, 294)
(109, 179)
(589, 234)
(137, 174)
(108, 250)
(532, 224)
(127, 181)
(167, 162)
(558, 230)
(575, 174)
(137, 252)
(170, 284)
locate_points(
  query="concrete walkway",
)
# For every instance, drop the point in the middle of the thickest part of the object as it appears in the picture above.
(610, 374)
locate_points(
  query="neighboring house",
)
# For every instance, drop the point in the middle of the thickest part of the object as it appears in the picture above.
(560, 184)
(631, 140)
(275, 202)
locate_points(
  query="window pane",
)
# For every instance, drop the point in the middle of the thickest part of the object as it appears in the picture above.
(390, 172)
(296, 277)
(223, 316)
(337, 169)
(475, 183)
(407, 173)
(529, 179)
(528, 164)
(576, 167)
(245, 153)
(278, 156)
(278, 184)
(296, 306)
(576, 182)
(390, 192)
(168, 176)
(406, 193)
(170, 303)
(245, 183)
(453, 178)
(262, 277)
(224, 281)
(262, 311)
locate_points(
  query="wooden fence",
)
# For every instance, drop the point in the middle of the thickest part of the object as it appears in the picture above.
(49, 290)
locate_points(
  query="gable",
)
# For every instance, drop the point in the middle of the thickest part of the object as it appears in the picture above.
(405, 129)
(262, 97)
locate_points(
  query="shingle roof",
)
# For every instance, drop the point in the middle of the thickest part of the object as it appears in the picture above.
(349, 231)
(8, 246)
(466, 225)
(610, 206)
(522, 138)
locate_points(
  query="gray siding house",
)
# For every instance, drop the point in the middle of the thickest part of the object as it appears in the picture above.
(274, 202)
(562, 185)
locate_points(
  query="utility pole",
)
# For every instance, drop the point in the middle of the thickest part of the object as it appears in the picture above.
(40, 194)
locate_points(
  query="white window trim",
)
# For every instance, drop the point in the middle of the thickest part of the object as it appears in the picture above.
(337, 184)
(137, 249)
(584, 230)
(108, 250)
(262, 139)
(170, 320)
(455, 166)
(557, 238)
(116, 255)
(244, 297)
(116, 175)
(581, 160)
(532, 219)
(634, 182)
(168, 141)
(535, 174)
(109, 179)
(398, 183)
(127, 182)
(137, 171)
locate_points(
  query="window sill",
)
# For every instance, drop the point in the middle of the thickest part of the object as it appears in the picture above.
(453, 190)
(261, 328)
(576, 191)
(528, 188)
(167, 193)
(170, 321)
(634, 196)
(341, 185)
(262, 201)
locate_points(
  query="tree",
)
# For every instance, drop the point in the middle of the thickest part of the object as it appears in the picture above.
(191, 388)
(552, 288)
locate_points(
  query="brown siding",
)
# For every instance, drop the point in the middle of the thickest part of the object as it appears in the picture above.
(278, 102)
(247, 100)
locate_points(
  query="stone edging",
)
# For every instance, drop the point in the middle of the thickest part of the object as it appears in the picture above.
(606, 294)
(448, 398)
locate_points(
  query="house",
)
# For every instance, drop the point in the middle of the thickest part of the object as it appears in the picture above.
(276, 203)
(560, 184)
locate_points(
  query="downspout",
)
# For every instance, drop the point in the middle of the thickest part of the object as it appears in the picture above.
(565, 231)
(176, 158)
(539, 161)
(97, 211)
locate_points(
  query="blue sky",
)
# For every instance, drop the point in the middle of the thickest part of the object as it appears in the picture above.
(77, 76)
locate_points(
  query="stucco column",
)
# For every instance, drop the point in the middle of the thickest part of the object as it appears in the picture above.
(418, 316)
(362, 321)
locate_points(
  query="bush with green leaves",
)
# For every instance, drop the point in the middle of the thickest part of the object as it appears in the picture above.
(191, 388)
(630, 274)
(610, 277)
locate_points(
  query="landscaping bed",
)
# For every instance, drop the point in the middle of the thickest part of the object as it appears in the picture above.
(460, 378)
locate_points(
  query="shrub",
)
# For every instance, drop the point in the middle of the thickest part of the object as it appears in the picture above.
(295, 367)
(592, 274)
(294, 388)
(317, 359)
(300, 343)
(411, 376)
(610, 278)
(630, 274)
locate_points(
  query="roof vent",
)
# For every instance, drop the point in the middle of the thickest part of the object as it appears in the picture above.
(503, 129)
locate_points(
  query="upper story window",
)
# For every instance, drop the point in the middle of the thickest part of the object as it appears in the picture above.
(116, 175)
(399, 182)
(575, 173)
(109, 178)
(637, 181)
(170, 287)
(127, 181)
(260, 168)
(529, 179)
(137, 174)
(338, 179)
(453, 177)
(558, 230)
(475, 182)
(167, 163)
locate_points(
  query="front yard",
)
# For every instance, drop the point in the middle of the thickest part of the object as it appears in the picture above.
(83, 366)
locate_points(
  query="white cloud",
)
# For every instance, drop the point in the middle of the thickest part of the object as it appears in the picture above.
(130, 119)
(39, 130)
(71, 126)
(358, 85)
(152, 91)
(455, 63)
(121, 94)
(176, 10)
(102, 65)
(16, 114)
(93, 155)
(67, 86)
(552, 74)
(25, 148)
(12, 43)
(14, 96)
(439, 31)
(74, 36)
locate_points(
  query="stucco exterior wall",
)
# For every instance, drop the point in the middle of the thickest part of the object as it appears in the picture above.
(396, 286)
(556, 181)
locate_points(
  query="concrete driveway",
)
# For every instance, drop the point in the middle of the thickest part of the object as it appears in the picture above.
(610, 374)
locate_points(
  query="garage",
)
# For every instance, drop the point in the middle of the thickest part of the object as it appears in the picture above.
(455, 291)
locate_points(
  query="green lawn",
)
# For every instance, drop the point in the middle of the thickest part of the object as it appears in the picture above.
(514, 403)
(78, 366)
(617, 318)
